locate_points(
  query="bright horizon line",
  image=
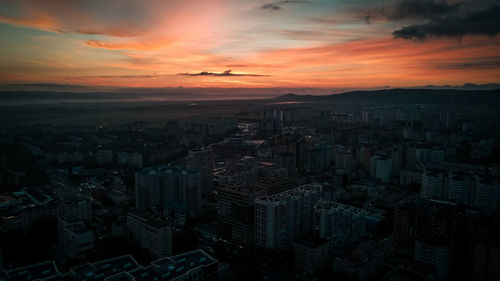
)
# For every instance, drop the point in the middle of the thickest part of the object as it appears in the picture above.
(464, 86)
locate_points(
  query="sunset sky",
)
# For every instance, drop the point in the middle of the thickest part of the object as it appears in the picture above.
(249, 43)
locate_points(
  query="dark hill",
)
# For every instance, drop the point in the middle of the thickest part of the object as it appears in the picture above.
(406, 96)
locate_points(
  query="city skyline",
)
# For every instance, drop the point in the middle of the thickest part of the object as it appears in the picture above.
(243, 140)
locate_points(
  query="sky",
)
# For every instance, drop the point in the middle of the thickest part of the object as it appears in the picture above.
(250, 44)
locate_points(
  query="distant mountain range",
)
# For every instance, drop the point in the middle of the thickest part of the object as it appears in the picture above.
(473, 95)
(405, 96)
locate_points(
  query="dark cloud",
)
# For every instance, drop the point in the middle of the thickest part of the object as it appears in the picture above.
(412, 10)
(278, 5)
(271, 7)
(482, 22)
(430, 18)
(225, 73)
(422, 10)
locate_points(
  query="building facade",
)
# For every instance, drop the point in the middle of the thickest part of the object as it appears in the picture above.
(155, 235)
(281, 218)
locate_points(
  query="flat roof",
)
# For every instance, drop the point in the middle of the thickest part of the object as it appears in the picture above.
(145, 274)
(114, 269)
(149, 218)
(165, 169)
(36, 271)
(82, 269)
(78, 228)
(113, 266)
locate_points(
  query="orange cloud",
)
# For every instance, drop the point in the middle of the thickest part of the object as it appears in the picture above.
(364, 63)
(113, 18)
(129, 18)
(386, 61)
(146, 44)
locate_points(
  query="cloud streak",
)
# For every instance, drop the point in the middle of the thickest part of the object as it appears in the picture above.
(145, 44)
(226, 73)
(122, 25)
(278, 5)
(83, 17)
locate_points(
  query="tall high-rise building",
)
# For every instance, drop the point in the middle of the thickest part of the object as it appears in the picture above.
(167, 186)
(147, 189)
(434, 252)
(75, 239)
(485, 259)
(338, 223)
(423, 155)
(459, 188)
(104, 156)
(152, 233)
(373, 165)
(203, 160)
(285, 153)
(78, 208)
(343, 161)
(319, 155)
(363, 260)
(274, 185)
(129, 159)
(433, 183)
(397, 159)
(384, 170)
(410, 156)
(381, 168)
(409, 176)
(416, 217)
(235, 211)
(437, 156)
(281, 218)
(365, 157)
(311, 254)
(272, 119)
(487, 193)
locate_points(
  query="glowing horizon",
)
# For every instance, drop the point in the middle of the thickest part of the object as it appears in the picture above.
(253, 44)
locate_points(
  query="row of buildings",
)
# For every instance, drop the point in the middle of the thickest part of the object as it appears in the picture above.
(193, 265)
(466, 188)
(451, 240)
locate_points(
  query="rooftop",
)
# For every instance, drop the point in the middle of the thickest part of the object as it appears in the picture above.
(78, 228)
(36, 271)
(118, 268)
(361, 253)
(292, 192)
(149, 218)
(113, 266)
(330, 205)
(165, 170)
